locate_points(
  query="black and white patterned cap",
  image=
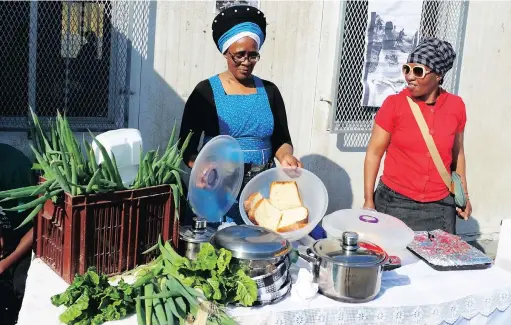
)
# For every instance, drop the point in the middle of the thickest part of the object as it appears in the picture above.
(436, 54)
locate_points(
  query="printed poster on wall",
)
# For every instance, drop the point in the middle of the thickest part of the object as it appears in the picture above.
(223, 4)
(391, 35)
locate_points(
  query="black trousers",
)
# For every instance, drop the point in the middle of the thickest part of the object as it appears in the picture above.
(419, 216)
(12, 290)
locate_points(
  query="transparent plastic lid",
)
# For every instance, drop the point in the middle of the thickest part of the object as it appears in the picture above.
(216, 178)
(384, 230)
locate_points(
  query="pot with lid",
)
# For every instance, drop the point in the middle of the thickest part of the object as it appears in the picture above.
(255, 248)
(348, 270)
(193, 237)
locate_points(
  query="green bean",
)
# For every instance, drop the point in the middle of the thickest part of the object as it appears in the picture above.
(48, 171)
(74, 176)
(93, 160)
(181, 306)
(140, 312)
(154, 319)
(35, 202)
(168, 313)
(159, 311)
(66, 163)
(93, 180)
(54, 140)
(30, 216)
(172, 135)
(151, 174)
(19, 192)
(174, 284)
(148, 291)
(43, 187)
(62, 181)
(39, 130)
(175, 195)
(170, 305)
(116, 171)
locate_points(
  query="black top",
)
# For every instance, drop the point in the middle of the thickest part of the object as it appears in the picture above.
(15, 172)
(200, 116)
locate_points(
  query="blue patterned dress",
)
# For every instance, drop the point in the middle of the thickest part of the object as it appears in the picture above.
(248, 119)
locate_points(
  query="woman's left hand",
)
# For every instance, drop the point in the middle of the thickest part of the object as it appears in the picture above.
(465, 214)
(290, 161)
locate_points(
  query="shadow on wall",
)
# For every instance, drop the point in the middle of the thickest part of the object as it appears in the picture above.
(159, 105)
(335, 178)
(353, 142)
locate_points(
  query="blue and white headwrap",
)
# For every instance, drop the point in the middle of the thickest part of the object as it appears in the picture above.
(238, 32)
(237, 22)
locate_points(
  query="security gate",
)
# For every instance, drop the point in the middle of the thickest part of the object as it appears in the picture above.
(71, 56)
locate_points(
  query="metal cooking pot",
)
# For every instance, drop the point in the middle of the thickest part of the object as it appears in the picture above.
(348, 270)
(193, 237)
(254, 248)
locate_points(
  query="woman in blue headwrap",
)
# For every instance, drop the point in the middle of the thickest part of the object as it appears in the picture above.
(237, 103)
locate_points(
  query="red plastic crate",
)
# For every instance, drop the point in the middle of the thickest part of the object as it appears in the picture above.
(108, 231)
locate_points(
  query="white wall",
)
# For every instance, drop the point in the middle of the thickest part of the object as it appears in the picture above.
(299, 56)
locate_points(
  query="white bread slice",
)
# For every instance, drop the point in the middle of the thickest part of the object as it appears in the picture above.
(251, 201)
(285, 195)
(266, 215)
(250, 204)
(293, 219)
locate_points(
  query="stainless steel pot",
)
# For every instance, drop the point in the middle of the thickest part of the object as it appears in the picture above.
(348, 270)
(193, 237)
(254, 248)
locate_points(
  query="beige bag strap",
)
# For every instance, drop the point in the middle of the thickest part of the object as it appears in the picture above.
(430, 143)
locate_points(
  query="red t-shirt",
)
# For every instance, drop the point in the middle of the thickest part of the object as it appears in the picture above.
(408, 167)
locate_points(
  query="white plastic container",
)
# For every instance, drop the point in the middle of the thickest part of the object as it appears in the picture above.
(312, 191)
(126, 145)
(386, 231)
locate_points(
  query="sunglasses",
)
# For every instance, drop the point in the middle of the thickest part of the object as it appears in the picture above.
(418, 71)
(240, 57)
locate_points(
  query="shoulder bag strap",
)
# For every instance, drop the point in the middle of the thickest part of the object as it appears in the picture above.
(430, 143)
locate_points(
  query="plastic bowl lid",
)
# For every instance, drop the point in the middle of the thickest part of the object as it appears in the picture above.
(384, 230)
(216, 178)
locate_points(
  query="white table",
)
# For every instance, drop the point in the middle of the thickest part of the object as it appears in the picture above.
(412, 294)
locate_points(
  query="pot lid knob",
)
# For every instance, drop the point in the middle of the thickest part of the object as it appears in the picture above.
(350, 240)
(199, 224)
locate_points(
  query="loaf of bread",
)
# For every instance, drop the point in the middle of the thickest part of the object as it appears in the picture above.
(282, 212)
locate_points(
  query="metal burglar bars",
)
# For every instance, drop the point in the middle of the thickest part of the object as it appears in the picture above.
(442, 19)
(70, 56)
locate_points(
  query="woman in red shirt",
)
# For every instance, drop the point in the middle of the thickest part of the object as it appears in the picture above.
(411, 187)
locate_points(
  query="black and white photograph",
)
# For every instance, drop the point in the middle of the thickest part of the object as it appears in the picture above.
(223, 4)
(392, 33)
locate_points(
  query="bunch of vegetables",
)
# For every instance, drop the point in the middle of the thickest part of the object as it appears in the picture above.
(92, 300)
(67, 169)
(170, 290)
(212, 273)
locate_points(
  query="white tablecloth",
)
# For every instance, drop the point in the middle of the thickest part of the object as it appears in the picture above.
(412, 294)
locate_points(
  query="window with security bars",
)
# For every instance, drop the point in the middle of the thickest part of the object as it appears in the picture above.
(69, 56)
(442, 19)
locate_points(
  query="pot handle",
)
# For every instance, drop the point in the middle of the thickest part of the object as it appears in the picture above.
(307, 254)
(393, 262)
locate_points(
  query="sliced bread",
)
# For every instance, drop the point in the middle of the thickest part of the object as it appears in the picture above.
(293, 219)
(284, 195)
(266, 215)
(251, 201)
